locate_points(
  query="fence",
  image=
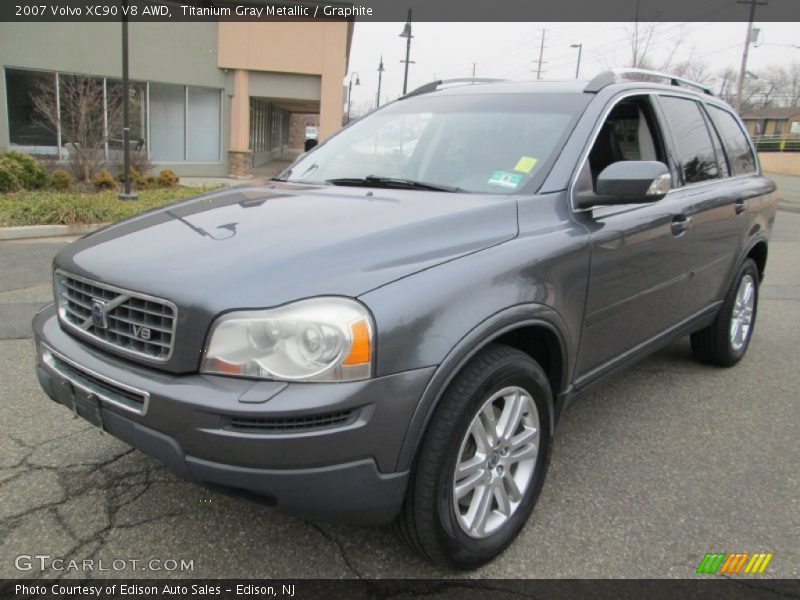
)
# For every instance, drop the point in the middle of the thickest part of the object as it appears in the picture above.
(777, 143)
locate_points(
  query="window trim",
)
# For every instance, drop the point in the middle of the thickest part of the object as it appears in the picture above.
(604, 115)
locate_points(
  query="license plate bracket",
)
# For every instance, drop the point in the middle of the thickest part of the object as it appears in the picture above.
(87, 405)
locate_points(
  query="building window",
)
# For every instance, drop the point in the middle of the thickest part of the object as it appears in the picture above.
(203, 134)
(25, 126)
(167, 122)
(138, 115)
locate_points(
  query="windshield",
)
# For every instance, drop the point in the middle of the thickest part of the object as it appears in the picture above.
(488, 143)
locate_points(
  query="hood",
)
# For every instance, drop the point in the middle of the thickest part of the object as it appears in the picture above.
(265, 246)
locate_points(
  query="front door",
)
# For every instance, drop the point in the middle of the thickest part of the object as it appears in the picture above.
(640, 264)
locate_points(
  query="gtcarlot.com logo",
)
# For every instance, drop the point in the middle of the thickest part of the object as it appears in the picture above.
(734, 563)
(45, 562)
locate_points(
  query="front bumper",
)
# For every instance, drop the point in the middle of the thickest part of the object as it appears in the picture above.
(269, 438)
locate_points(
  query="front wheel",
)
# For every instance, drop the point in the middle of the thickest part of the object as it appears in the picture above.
(482, 462)
(725, 341)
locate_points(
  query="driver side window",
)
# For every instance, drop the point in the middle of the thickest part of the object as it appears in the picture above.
(629, 132)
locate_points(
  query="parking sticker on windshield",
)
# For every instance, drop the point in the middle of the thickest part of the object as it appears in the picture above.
(505, 179)
(526, 164)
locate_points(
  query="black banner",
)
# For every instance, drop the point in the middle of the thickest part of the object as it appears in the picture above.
(397, 10)
(557, 589)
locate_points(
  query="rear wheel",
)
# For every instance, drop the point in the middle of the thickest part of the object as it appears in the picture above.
(482, 462)
(725, 341)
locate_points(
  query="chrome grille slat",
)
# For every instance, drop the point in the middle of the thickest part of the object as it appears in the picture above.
(134, 338)
(142, 323)
(135, 323)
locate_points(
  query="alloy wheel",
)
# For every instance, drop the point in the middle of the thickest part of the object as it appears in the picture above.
(496, 462)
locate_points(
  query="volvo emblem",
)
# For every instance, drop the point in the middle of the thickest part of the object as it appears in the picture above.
(99, 314)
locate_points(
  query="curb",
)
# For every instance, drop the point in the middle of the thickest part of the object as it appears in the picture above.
(26, 232)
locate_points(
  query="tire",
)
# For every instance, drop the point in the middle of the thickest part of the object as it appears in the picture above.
(717, 344)
(432, 521)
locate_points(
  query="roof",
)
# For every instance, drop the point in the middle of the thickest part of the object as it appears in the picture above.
(778, 112)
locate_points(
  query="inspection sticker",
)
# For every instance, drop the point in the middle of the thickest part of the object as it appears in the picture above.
(505, 179)
(526, 164)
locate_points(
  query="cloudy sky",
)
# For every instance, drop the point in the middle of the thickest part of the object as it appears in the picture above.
(508, 50)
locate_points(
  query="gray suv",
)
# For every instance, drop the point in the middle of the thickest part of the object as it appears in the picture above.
(389, 331)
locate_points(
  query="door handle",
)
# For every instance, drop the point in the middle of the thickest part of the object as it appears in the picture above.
(680, 224)
(741, 206)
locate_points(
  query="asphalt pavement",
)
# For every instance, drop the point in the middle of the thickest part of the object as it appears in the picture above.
(664, 463)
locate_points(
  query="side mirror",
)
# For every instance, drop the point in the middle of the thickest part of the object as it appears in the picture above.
(629, 182)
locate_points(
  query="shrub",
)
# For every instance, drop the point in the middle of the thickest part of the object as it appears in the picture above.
(29, 173)
(8, 177)
(60, 180)
(44, 207)
(104, 180)
(148, 182)
(139, 162)
(167, 178)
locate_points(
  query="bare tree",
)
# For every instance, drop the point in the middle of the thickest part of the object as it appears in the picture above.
(640, 40)
(78, 112)
(727, 82)
(793, 84)
(693, 69)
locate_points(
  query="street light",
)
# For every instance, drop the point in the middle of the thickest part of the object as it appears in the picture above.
(126, 194)
(406, 33)
(380, 76)
(578, 67)
(350, 92)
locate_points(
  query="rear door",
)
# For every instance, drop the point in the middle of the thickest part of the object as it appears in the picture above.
(714, 190)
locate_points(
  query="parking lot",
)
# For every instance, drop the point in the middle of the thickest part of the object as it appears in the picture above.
(664, 463)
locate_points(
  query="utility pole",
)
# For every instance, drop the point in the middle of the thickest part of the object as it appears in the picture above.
(474, 66)
(746, 51)
(406, 33)
(126, 109)
(380, 76)
(636, 37)
(541, 56)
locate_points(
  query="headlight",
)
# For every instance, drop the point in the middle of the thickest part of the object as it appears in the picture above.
(321, 339)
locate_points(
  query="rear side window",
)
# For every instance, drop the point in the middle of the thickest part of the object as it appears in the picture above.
(694, 151)
(739, 152)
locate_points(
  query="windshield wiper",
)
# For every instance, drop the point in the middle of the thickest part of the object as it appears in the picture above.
(393, 182)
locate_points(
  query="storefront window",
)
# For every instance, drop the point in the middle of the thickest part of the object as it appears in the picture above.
(203, 124)
(167, 120)
(26, 126)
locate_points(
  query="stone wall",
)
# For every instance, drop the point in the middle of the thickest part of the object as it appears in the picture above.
(239, 164)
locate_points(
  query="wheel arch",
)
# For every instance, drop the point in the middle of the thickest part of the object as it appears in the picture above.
(758, 252)
(534, 329)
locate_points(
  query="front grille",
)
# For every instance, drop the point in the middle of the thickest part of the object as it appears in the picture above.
(134, 323)
(292, 424)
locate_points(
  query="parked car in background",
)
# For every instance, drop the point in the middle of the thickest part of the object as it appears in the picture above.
(390, 330)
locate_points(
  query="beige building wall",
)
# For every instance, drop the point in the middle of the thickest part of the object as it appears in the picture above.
(787, 163)
(307, 48)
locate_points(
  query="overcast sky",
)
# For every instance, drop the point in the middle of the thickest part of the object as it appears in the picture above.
(508, 50)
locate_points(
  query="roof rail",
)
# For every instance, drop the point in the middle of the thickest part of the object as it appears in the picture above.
(615, 75)
(434, 85)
